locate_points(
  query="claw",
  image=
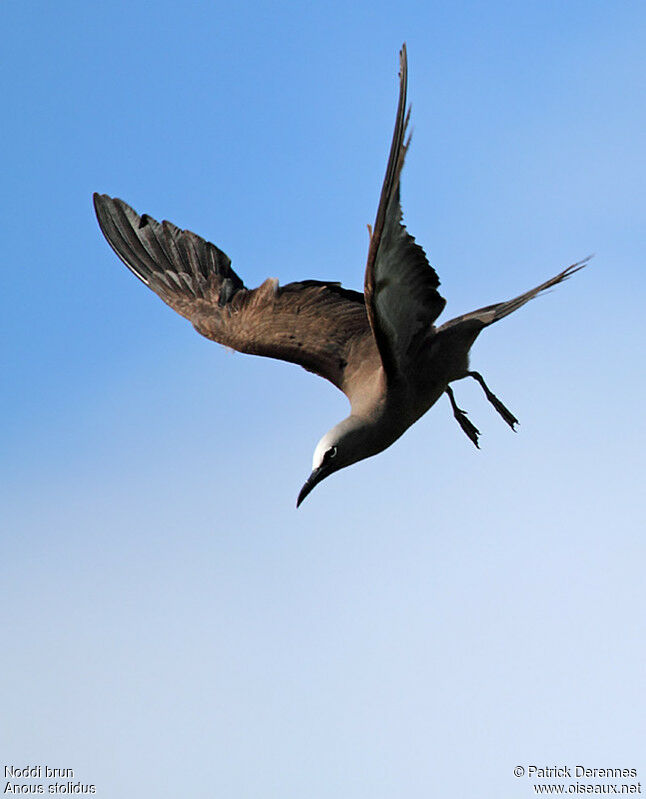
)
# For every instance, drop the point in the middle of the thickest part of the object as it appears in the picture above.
(506, 414)
(461, 416)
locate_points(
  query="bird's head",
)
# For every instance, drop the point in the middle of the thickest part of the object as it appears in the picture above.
(341, 446)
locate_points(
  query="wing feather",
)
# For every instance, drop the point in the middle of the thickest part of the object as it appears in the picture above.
(400, 286)
(310, 323)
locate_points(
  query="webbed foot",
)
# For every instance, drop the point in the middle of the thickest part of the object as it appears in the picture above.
(506, 414)
(469, 428)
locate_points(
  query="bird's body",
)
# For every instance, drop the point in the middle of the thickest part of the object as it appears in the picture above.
(381, 348)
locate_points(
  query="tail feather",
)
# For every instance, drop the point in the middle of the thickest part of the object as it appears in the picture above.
(492, 313)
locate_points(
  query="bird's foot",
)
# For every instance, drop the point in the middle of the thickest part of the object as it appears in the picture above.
(469, 428)
(461, 416)
(506, 414)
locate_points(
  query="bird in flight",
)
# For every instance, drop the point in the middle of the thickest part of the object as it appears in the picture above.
(380, 348)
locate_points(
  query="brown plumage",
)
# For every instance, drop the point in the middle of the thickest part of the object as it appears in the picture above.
(380, 348)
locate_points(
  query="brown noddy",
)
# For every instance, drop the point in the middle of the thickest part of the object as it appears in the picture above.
(381, 348)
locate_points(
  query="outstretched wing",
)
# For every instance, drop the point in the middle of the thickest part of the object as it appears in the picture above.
(310, 323)
(400, 286)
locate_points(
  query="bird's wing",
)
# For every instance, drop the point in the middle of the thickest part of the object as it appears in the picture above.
(401, 293)
(311, 323)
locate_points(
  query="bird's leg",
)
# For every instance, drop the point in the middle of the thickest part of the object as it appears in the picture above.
(470, 429)
(506, 414)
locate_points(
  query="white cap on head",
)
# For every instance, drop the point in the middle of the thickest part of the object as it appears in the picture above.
(322, 447)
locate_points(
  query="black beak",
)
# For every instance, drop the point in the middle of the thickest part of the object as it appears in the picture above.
(316, 477)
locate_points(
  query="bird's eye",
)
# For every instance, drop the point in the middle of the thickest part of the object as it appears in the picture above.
(329, 454)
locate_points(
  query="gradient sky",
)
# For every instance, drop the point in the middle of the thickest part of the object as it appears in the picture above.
(431, 617)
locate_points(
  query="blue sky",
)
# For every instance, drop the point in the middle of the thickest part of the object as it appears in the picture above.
(428, 619)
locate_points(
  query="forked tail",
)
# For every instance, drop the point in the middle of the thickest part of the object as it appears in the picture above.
(492, 313)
